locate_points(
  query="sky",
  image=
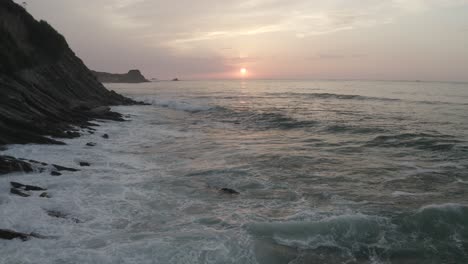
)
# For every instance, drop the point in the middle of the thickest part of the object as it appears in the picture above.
(272, 39)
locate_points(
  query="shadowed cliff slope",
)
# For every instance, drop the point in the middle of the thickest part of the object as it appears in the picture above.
(45, 89)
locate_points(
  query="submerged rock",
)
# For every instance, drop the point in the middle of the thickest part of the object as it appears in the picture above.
(10, 235)
(229, 191)
(25, 187)
(91, 144)
(105, 136)
(84, 164)
(62, 168)
(58, 214)
(45, 195)
(19, 192)
(55, 173)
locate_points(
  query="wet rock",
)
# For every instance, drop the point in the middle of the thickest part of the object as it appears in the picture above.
(45, 195)
(58, 214)
(84, 164)
(91, 144)
(71, 134)
(229, 191)
(62, 168)
(19, 192)
(26, 187)
(10, 235)
(105, 136)
(10, 164)
(55, 173)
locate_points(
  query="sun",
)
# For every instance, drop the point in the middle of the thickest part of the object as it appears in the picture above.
(243, 71)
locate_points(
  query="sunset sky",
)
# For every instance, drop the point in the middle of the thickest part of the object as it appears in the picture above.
(333, 39)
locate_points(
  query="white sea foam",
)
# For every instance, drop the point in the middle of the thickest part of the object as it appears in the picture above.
(124, 214)
(151, 194)
(445, 206)
(401, 193)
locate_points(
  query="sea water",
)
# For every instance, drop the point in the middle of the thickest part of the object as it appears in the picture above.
(328, 172)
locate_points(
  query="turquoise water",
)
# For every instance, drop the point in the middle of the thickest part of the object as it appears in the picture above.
(328, 172)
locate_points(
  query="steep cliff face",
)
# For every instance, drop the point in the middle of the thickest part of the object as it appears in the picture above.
(45, 89)
(133, 76)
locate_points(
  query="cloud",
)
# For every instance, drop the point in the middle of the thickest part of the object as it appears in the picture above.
(187, 36)
(335, 56)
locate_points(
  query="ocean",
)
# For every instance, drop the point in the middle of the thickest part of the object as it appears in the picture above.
(327, 171)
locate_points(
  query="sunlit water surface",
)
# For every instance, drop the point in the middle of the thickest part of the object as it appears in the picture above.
(328, 172)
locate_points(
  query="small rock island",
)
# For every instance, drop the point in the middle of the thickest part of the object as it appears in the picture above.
(133, 76)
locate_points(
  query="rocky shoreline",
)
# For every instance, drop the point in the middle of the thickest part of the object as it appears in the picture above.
(46, 94)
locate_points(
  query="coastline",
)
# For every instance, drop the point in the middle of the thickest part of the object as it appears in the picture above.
(47, 94)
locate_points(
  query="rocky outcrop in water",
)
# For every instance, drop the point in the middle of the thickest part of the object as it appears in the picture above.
(10, 235)
(229, 191)
(133, 76)
(45, 89)
(10, 164)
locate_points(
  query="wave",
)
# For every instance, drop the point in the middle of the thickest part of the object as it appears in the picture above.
(432, 233)
(358, 97)
(333, 96)
(401, 193)
(259, 119)
(177, 104)
(353, 129)
(423, 141)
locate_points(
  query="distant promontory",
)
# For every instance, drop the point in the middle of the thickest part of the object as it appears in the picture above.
(133, 76)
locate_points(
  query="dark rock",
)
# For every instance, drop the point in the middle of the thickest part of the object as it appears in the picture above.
(25, 187)
(72, 134)
(10, 235)
(45, 195)
(133, 76)
(101, 110)
(91, 144)
(229, 191)
(105, 136)
(61, 168)
(19, 192)
(55, 173)
(84, 164)
(9, 164)
(45, 88)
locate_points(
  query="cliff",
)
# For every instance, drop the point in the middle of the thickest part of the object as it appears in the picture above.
(133, 76)
(45, 89)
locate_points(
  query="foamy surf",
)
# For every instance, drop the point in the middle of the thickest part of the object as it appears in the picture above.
(328, 179)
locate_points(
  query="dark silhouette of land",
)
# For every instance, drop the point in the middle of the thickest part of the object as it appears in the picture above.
(133, 76)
